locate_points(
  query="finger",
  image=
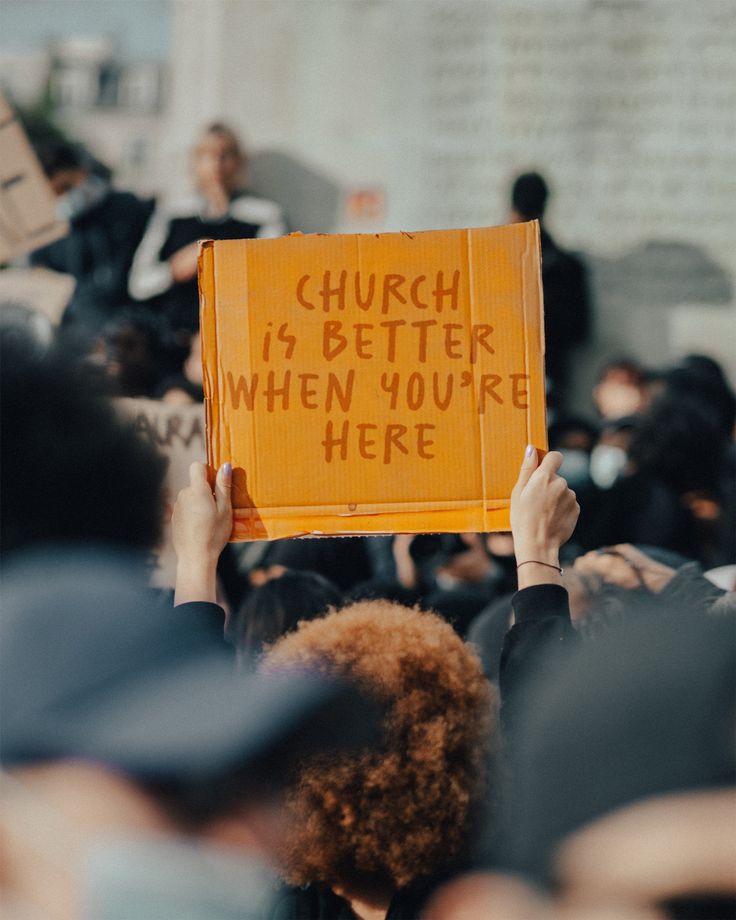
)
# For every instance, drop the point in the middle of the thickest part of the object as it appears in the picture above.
(224, 487)
(551, 463)
(198, 475)
(528, 465)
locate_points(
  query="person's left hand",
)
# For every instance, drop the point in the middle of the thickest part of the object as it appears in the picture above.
(201, 525)
(201, 521)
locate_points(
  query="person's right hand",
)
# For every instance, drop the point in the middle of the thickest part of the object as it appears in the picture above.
(543, 510)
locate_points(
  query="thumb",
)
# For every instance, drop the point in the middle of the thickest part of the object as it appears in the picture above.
(223, 487)
(528, 465)
(197, 475)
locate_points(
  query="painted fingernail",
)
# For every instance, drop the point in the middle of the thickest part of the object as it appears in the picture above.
(529, 452)
(227, 469)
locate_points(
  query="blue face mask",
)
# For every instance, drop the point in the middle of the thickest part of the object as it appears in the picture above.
(575, 468)
(81, 198)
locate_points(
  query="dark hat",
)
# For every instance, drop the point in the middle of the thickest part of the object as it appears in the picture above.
(645, 710)
(94, 665)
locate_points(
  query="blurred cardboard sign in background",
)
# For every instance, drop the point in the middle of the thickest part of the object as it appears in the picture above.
(27, 201)
(373, 383)
(176, 431)
(38, 289)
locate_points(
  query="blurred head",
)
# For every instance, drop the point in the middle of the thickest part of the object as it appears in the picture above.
(64, 166)
(528, 197)
(373, 822)
(679, 441)
(135, 350)
(620, 390)
(701, 378)
(274, 608)
(71, 470)
(645, 710)
(218, 158)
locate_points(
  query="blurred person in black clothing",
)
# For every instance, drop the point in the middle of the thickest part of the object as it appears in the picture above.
(72, 471)
(106, 227)
(567, 316)
(164, 270)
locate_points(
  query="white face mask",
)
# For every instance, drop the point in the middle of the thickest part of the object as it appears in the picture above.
(606, 465)
(81, 198)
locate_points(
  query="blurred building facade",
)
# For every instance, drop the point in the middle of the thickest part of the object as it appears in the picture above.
(372, 115)
(628, 109)
(109, 102)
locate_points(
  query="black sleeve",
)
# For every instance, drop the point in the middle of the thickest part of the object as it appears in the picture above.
(690, 590)
(542, 626)
(210, 616)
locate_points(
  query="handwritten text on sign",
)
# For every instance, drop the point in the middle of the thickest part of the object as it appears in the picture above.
(425, 341)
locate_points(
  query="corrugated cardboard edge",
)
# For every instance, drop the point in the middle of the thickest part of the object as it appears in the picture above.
(208, 340)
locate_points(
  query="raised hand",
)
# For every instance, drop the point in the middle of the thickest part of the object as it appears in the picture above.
(543, 516)
(201, 525)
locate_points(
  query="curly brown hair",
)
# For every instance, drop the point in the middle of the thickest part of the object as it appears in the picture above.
(387, 816)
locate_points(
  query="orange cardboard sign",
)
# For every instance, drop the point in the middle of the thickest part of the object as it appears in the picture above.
(373, 383)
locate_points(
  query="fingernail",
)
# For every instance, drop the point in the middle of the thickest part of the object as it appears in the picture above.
(227, 469)
(529, 452)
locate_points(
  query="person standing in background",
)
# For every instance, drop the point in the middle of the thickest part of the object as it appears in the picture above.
(164, 271)
(567, 311)
(105, 228)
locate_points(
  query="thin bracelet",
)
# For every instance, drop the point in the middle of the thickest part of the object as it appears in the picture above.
(537, 562)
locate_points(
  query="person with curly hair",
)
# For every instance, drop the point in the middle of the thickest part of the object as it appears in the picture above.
(368, 832)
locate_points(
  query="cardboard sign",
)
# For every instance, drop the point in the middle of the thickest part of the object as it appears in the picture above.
(176, 431)
(27, 201)
(373, 383)
(39, 289)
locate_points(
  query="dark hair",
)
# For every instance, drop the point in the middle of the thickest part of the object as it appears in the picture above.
(679, 441)
(702, 378)
(529, 195)
(71, 469)
(273, 609)
(571, 424)
(56, 156)
(152, 326)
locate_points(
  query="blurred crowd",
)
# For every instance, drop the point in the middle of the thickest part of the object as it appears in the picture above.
(530, 725)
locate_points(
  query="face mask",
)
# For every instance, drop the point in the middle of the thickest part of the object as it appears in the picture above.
(172, 878)
(81, 198)
(606, 465)
(575, 468)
